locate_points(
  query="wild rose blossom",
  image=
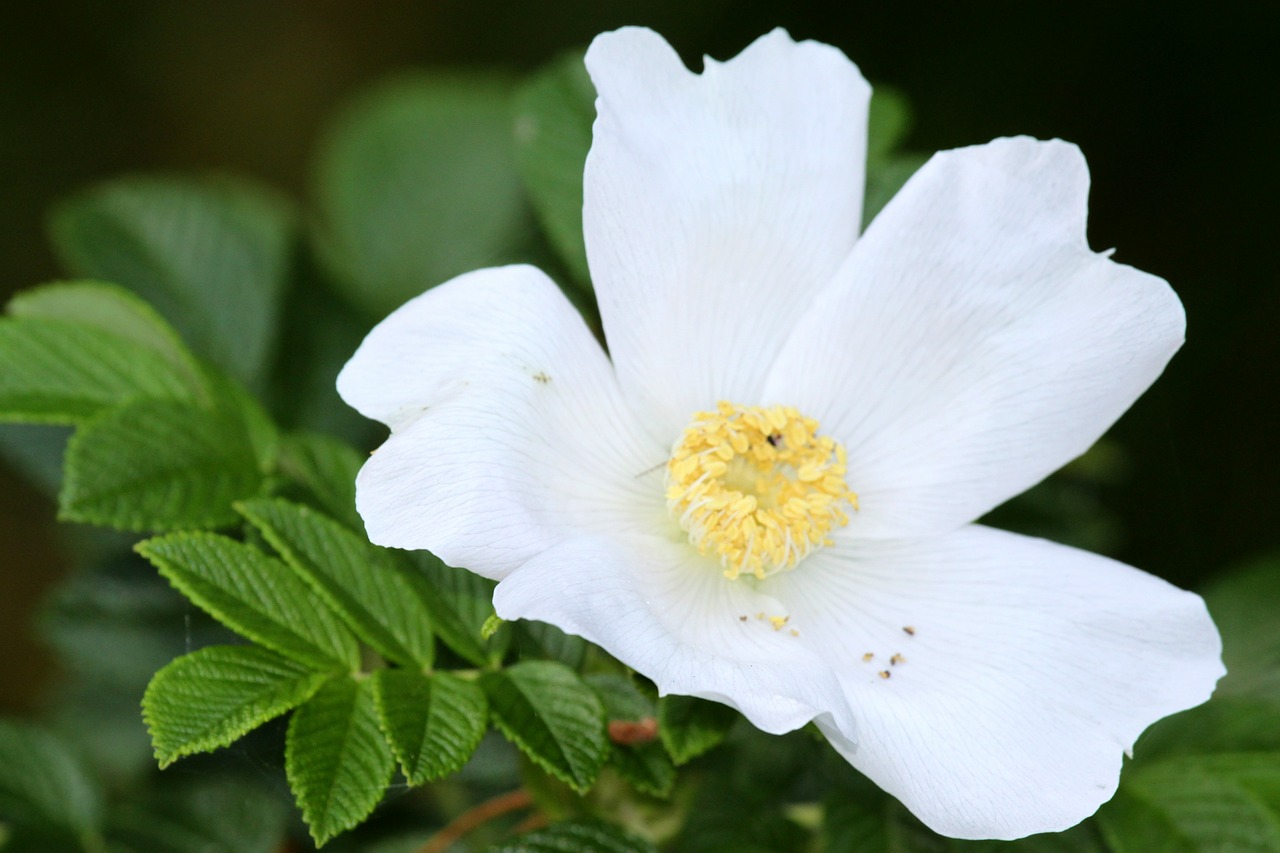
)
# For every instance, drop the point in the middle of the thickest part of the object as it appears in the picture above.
(764, 494)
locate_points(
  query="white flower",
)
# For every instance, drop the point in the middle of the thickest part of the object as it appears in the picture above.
(964, 347)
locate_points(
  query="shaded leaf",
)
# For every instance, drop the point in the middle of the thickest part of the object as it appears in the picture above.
(1243, 605)
(461, 604)
(635, 751)
(1198, 803)
(554, 112)
(889, 119)
(159, 465)
(213, 697)
(366, 585)
(434, 722)
(416, 183)
(202, 816)
(43, 783)
(325, 469)
(336, 758)
(690, 727)
(1224, 724)
(539, 639)
(211, 256)
(885, 176)
(255, 595)
(576, 837)
(544, 708)
(115, 626)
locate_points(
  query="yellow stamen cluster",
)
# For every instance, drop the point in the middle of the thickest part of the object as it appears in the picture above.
(757, 487)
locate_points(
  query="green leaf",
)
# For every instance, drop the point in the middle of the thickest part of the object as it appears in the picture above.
(554, 112)
(52, 371)
(115, 626)
(336, 758)
(43, 783)
(577, 837)
(887, 169)
(1198, 803)
(416, 183)
(211, 256)
(215, 696)
(366, 585)
(539, 639)
(889, 119)
(159, 465)
(255, 595)
(885, 176)
(434, 722)
(202, 815)
(689, 727)
(112, 309)
(854, 825)
(1224, 724)
(461, 603)
(243, 408)
(325, 469)
(1243, 604)
(544, 708)
(643, 763)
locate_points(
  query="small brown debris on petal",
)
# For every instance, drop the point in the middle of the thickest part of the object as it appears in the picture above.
(795, 633)
(884, 673)
(627, 732)
(867, 657)
(742, 618)
(897, 659)
(911, 632)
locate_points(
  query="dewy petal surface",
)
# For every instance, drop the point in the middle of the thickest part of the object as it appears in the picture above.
(716, 205)
(509, 432)
(658, 607)
(1031, 668)
(972, 343)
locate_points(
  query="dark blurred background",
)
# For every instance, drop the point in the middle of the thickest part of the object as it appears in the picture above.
(1171, 104)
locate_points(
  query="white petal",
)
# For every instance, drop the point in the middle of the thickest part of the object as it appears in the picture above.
(1033, 667)
(973, 343)
(716, 205)
(671, 615)
(508, 428)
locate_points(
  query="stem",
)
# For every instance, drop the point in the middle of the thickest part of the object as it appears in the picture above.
(474, 817)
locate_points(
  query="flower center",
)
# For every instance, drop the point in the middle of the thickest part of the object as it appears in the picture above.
(757, 487)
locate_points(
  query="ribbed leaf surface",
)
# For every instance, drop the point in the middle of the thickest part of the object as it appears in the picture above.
(365, 584)
(52, 371)
(255, 595)
(434, 722)
(548, 711)
(159, 465)
(336, 758)
(214, 696)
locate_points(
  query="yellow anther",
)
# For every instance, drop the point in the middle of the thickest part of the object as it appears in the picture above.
(757, 488)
